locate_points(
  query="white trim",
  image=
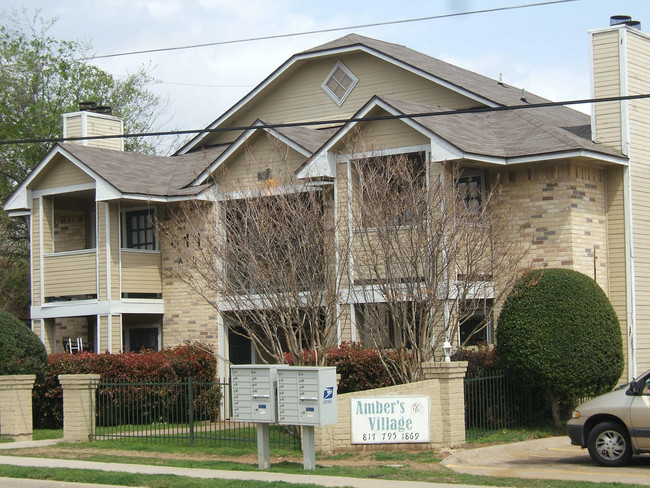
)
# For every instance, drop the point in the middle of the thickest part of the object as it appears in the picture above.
(70, 253)
(98, 337)
(222, 357)
(122, 224)
(348, 90)
(64, 189)
(629, 211)
(592, 86)
(107, 234)
(41, 258)
(109, 332)
(119, 247)
(78, 308)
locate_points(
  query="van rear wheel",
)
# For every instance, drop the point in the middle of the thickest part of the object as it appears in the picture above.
(609, 444)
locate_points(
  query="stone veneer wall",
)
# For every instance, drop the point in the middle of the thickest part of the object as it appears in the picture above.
(188, 316)
(560, 211)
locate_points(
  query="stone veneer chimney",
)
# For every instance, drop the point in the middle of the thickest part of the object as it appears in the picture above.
(92, 120)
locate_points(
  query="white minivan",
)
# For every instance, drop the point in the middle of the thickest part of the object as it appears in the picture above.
(615, 425)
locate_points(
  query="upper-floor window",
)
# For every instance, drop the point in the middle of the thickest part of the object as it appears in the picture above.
(339, 83)
(140, 229)
(391, 190)
(471, 188)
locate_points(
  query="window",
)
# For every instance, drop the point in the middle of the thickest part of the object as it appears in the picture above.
(471, 186)
(477, 326)
(140, 229)
(339, 83)
(391, 189)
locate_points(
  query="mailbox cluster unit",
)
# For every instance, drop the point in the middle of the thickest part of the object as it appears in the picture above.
(289, 395)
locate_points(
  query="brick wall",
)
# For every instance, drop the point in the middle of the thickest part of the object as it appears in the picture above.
(559, 211)
(446, 411)
(188, 316)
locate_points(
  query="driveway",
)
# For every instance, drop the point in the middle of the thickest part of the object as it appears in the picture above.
(552, 458)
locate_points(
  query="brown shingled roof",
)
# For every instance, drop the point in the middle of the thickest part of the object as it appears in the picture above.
(143, 174)
(504, 134)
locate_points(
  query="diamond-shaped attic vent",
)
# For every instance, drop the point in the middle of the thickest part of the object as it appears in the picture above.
(339, 83)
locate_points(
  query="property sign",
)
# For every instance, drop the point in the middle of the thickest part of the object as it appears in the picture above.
(390, 420)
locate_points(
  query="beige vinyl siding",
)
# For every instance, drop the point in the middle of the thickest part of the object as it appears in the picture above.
(115, 251)
(388, 134)
(103, 333)
(261, 152)
(48, 215)
(297, 95)
(607, 84)
(60, 173)
(638, 56)
(102, 267)
(36, 252)
(141, 272)
(70, 274)
(73, 126)
(116, 339)
(100, 126)
(617, 279)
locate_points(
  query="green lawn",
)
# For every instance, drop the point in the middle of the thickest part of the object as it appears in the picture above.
(394, 465)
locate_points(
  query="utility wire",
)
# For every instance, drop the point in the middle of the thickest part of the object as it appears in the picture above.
(321, 31)
(335, 121)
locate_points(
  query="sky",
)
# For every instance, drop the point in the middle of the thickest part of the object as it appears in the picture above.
(543, 49)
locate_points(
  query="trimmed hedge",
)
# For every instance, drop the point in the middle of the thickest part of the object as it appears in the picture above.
(167, 365)
(482, 358)
(558, 332)
(21, 351)
(360, 368)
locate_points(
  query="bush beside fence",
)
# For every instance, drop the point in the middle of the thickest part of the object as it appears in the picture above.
(173, 364)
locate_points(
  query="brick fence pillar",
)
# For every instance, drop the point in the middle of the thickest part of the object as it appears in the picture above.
(452, 398)
(78, 405)
(16, 406)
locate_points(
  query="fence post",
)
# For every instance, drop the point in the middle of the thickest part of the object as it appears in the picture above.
(452, 398)
(78, 405)
(16, 406)
(190, 400)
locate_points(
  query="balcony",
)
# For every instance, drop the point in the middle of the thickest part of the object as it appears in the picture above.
(141, 274)
(70, 275)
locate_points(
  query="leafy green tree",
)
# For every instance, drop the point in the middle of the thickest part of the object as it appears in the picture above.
(21, 351)
(42, 78)
(558, 332)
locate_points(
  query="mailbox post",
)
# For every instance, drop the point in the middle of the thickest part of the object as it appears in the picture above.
(307, 397)
(254, 400)
(288, 395)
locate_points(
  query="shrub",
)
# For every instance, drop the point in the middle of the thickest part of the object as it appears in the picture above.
(481, 358)
(558, 332)
(21, 351)
(167, 365)
(360, 368)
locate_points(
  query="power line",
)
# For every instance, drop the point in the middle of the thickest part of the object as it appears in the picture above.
(335, 121)
(321, 31)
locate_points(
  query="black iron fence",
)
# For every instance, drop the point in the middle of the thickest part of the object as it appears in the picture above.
(186, 412)
(494, 401)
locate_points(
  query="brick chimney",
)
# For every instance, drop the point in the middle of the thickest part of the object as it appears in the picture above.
(93, 120)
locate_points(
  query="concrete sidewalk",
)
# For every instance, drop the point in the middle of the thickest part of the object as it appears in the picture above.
(329, 481)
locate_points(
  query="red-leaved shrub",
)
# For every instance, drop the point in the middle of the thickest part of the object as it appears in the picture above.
(170, 365)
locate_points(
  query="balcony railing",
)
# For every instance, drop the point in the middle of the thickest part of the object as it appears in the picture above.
(70, 275)
(141, 273)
